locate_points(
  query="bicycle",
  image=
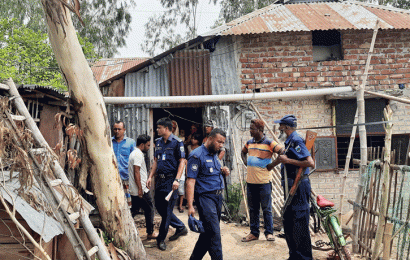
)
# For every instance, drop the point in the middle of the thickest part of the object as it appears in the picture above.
(324, 211)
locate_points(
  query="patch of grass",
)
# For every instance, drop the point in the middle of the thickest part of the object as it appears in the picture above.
(235, 200)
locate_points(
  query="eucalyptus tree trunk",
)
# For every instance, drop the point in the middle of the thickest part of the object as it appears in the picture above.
(90, 108)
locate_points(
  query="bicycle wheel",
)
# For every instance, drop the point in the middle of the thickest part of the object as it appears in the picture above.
(342, 251)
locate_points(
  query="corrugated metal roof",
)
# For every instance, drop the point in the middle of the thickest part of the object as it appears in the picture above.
(316, 16)
(106, 69)
(37, 220)
(44, 89)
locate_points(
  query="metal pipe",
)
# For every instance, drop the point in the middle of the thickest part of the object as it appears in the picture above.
(227, 98)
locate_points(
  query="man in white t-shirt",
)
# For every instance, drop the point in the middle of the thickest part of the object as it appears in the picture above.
(140, 194)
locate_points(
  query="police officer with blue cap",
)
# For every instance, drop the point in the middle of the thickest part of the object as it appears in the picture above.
(168, 166)
(296, 216)
(205, 183)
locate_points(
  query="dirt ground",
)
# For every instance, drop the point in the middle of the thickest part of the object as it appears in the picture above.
(232, 246)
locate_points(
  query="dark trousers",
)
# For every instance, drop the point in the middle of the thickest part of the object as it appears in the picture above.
(146, 203)
(165, 209)
(259, 195)
(296, 227)
(209, 211)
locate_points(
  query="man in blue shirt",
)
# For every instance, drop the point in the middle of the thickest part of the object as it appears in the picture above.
(205, 183)
(296, 216)
(168, 167)
(123, 146)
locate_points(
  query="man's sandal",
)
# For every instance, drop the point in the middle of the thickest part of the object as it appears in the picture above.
(269, 237)
(249, 237)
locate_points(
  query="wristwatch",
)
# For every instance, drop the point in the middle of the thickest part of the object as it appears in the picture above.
(178, 180)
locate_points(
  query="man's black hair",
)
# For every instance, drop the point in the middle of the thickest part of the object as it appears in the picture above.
(216, 131)
(198, 137)
(143, 139)
(166, 122)
(119, 122)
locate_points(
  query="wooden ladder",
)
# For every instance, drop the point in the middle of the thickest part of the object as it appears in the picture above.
(46, 184)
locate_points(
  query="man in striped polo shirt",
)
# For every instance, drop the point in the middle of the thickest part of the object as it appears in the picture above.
(257, 154)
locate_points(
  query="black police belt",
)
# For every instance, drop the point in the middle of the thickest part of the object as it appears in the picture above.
(166, 175)
(216, 192)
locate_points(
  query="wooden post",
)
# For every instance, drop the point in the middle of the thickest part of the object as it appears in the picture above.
(386, 183)
(82, 206)
(238, 160)
(388, 234)
(363, 140)
(346, 170)
(401, 100)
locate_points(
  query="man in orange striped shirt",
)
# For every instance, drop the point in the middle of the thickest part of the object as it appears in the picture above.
(257, 154)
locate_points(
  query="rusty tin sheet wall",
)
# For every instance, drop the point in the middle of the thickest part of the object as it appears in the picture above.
(189, 73)
(224, 75)
(135, 117)
(150, 82)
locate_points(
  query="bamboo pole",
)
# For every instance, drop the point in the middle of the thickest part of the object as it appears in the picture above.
(238, 160)
(385, 192)
(346, 170)
(21, 228)
(362, 136)
(401, 100)
(58, 171)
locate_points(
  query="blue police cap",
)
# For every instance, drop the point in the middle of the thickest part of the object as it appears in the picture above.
(195, 225)
(289, 120)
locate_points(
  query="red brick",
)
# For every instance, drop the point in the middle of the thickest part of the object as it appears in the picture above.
(386, 72)
(329, 63)
(312, 84)
(308, 68)
(255, 65)
(336, 68)
(396, 66)
(248, 81)
(381, 67)
(331, 73)
(273, 70)
(336, 79)
(283, 75)
(379, 77)
(290, 79)
(275, 59)
(275, 80)
(306, 79)
(288, 59)
(306, 58)
(252, 55)
(298, 85)
(396, 76)
(312, 74)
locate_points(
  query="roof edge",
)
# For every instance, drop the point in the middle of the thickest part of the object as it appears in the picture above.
(385, 7)
(153, 60)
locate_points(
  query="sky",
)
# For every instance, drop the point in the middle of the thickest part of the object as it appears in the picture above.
(207, 15)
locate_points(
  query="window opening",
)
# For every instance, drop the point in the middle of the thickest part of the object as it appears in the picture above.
(327, 45)
(345, 111)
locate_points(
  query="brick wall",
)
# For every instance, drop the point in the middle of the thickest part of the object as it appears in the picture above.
(284, 62)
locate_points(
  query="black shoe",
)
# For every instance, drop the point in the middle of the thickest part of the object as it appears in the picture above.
(161, 245)
(177, 234)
